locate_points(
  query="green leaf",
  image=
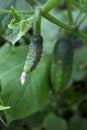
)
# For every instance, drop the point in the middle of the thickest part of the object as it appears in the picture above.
(35, 2)
(32, 2)
(5, 18)
(80, 64)
(33, 96)
(3, 108)
(35, 129)
(53, 122)
(16, 3)
(23, 25)
(41, 1)
(78, 123)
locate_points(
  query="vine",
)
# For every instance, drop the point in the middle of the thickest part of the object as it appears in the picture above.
(44, 12)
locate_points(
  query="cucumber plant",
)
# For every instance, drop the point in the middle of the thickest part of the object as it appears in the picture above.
(18, 22)
(35, 48)
(23, 24)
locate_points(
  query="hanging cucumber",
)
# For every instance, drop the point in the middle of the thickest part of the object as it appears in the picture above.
(61, 66)
(36, 46)
(33, 57)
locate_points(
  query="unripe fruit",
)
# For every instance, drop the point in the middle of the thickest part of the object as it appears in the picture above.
(61, 67)
(33, 57)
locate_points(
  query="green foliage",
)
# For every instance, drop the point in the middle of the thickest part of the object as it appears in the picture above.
(7, 33)
(80, 64)
(52, 122)
(78, 123)
(33, 95)
(23, 25)
(35, 103)
(23, 100)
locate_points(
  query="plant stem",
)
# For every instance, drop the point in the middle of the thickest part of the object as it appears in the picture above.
(49, 5)
(69, 9)
(3, 122)
(15, 14)
(5, 11)
(82, 34)
(19, 12)
(6, 124)
(58, 22)
(37, 22)
(25, 12)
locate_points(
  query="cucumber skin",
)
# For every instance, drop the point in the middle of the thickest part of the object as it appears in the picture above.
(34, 54)
(61, 67)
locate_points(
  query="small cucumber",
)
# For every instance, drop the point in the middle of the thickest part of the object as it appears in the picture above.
(34, 54)
(33, 57)
(61, 66)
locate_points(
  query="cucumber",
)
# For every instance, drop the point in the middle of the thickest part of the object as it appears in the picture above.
(33, 57)
(34, 54)
(61, 66)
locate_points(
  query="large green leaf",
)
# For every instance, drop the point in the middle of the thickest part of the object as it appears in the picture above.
(32, 2)
(78, 123)
(27, 99)
(5, 18)
(52, 122)
(35, 2)
(35, 129)
(4, 4)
